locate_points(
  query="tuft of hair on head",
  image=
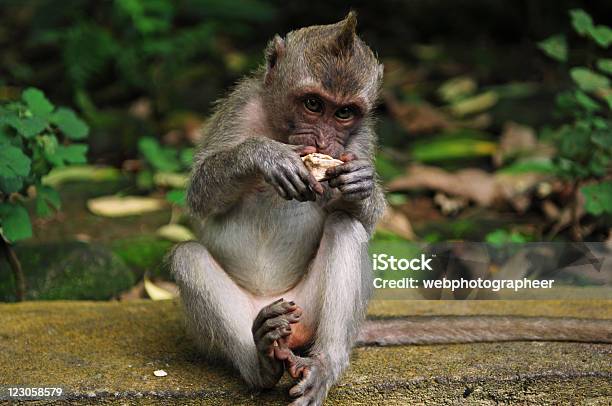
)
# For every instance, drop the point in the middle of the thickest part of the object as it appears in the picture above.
(345, 39)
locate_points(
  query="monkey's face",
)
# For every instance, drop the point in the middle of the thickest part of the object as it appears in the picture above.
(323, 120)
(320, 82)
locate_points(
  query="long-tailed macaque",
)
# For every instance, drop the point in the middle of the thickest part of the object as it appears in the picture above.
(281, 268)
(280, 278)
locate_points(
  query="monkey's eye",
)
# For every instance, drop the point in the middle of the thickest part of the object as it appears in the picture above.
(313, 104)
(345, 113)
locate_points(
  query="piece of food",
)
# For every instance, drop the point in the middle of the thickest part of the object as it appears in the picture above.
(317, 164)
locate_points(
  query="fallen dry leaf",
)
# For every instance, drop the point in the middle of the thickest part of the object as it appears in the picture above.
(485, 189)
(396, 223)
(121, 206)
(175, 233)
(514, 139)
(417, 118)
(156, 292)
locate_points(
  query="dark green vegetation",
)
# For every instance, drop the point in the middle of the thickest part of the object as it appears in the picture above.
(495, 121)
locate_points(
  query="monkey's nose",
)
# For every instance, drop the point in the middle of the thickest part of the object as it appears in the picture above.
(321, 143)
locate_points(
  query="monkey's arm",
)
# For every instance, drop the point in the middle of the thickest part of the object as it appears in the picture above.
(368, 211)
(220, 178)
(356, 187)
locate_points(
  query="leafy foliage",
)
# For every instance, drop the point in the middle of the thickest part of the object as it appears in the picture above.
(598, 198)
(585, 145)
(34, 138)
(166, 167)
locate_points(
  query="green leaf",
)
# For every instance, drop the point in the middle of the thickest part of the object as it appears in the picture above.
(585, 101)
(45, 197)
(602, 35)
(68, 122)
(161, 159)
(608, 99)
(50, 195)
(555, 47)
(598, 198)
(544, 166)
(177, 196)
(73, 154)
(605, 65)
(588, 80)
(42, 208)
(501, 237)
(186, 157)
(49, 145)
(460, 144)
(37, 103)
(13, 162)
(15, 222)
(27, 126)
(603, 138)
(10, 185)
(581, 21)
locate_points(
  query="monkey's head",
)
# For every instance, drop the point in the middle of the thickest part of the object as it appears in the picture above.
(319, 84)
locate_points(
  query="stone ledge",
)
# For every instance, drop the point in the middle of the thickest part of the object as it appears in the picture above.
(103, 352)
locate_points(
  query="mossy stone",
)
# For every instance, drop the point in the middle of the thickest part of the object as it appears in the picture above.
(145, 254)
(68, 270)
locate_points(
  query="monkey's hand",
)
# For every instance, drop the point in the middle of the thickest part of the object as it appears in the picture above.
(283, 169)
(354, 179)
(273, 324)
(312, 373)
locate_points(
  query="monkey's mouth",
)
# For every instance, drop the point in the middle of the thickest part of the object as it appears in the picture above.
(322, 145)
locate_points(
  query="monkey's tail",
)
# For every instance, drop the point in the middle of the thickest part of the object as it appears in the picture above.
(472, 329)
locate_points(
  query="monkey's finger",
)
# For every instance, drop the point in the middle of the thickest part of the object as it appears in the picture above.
(351, 166)
(354, 197)
(278, 188)
(310, 180)
(348, 157)
(301, 186)
(360, 175)
(274, 309)
(355, 187)
(282, 353)
(271, 336)
(271, 324)
(288, 188)
(303, 385)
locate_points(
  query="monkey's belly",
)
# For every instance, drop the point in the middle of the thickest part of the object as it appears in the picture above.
(266, 249)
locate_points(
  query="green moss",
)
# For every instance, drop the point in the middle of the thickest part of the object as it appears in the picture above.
(68, 270)
(144, 254)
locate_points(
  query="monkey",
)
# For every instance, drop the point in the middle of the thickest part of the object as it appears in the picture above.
(279, 278)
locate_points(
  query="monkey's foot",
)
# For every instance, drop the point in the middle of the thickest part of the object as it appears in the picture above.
(313, 380)
(273, 323)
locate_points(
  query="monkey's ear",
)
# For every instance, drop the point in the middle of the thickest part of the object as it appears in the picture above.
(346, 36)
(381, 72)
(274, 51)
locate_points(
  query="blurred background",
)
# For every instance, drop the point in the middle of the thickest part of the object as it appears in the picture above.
(495, 125)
